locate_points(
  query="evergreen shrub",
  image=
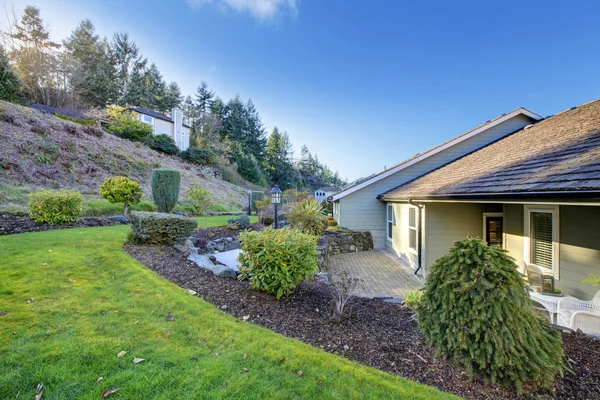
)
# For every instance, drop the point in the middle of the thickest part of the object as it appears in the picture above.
(165, 188)
(477, 311)
(199, 156)
(161, 229)
(241, 222)
(277, 260)
(55, 207)
(163, 143)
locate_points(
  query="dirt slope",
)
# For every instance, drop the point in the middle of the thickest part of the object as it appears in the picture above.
(40, 150)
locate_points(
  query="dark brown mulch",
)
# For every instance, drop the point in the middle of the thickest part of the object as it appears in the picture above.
(375, 333)
(206, 235)
(16, 223)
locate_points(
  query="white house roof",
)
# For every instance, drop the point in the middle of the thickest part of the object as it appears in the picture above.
(422, 156)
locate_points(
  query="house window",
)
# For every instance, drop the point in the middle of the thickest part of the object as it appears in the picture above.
(413, 229)
(541, 238)
(390, 221)
(148, 119)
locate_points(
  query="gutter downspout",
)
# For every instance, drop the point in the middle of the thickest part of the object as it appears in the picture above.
(420, 225)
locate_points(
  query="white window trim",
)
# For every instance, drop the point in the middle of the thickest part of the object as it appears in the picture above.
(387, 222)
(494, 214)
(416, 229)
(554, 210)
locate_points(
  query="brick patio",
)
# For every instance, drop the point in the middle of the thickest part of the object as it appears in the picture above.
(382, 273)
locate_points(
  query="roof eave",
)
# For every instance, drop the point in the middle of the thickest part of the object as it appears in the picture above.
(435, 150)
(553, 195)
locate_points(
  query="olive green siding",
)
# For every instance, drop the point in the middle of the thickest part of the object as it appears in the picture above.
(446, 223)
(579, 245)
(362, 211)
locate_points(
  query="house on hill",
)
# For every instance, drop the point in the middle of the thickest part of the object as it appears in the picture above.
(524, 183)
(323, 193)
(172, 126)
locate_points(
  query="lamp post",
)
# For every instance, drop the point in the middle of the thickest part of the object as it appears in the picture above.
(276, 200)
(249, 201)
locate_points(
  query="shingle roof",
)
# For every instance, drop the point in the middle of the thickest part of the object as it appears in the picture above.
(328, 189)
(154, 114)
(559, 155)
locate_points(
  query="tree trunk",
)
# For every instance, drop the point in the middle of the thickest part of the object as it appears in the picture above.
(125, 210)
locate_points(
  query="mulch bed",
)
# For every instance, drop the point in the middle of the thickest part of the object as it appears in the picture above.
(17, 223)
(374, 333)
(209, 234)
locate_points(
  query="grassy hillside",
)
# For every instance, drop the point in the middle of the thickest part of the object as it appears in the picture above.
(39, 150)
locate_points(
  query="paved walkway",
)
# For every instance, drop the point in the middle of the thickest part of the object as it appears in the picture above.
(382, 273)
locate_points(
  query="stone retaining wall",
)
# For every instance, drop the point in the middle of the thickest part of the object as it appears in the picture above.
(339, 243)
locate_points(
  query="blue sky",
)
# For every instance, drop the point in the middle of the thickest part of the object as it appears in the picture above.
(363, 84)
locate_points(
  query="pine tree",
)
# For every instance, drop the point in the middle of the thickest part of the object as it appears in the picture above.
(10, 85)
(93, 76)
(477, 311)
(204, 98)
(126, 55)
(256, 140)
(173, 97)
(279, 160)
(235, 123)
(35, 58)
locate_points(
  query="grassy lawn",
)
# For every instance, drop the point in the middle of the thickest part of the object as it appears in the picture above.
(91, 301)
(221, 220)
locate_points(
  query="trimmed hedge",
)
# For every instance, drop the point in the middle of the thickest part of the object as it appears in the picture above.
(56, 207)
(277, 260)
(165, 188)
(161, 229)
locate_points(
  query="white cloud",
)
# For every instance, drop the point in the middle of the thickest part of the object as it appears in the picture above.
(261, 9)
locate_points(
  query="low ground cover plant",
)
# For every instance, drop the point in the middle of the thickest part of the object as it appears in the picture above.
(241, 222)
(55, 207)
(165, 188)
(159, 228)
(277, 260)
(120, 189)
(477, 311)
(413, 298)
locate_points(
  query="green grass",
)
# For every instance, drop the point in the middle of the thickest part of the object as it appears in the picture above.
(91, 301)
(221, 220)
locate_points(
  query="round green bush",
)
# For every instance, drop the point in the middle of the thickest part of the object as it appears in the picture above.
(165, 188)
(120, 189)
(199, 156)
(477, 311)
(276, 260)
(163, 143)
(55, 207)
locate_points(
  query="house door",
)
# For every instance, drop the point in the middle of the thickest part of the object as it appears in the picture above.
(494, 230)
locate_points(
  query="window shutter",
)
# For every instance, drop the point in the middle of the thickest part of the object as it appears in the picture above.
(541, 239)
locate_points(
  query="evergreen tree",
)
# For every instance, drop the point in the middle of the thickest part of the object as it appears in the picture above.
(173, 97)
(235, 123)
(217, 108)
(477, 311)
(256, 140)
(10, 85)
(204, 98)
(35, 58)
(156, 89)
(137, 89)
(126, 55)
(279, 160)
(93, 75)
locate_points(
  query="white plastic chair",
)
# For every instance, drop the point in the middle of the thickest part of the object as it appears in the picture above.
(579, 314)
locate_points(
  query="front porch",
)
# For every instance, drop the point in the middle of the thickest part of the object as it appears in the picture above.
(382, 272)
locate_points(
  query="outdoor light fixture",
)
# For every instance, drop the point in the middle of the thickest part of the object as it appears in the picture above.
(276, 200)
(249, 201)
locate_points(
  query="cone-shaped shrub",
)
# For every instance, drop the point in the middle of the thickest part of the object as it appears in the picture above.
(165, 188)
(477, 312)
